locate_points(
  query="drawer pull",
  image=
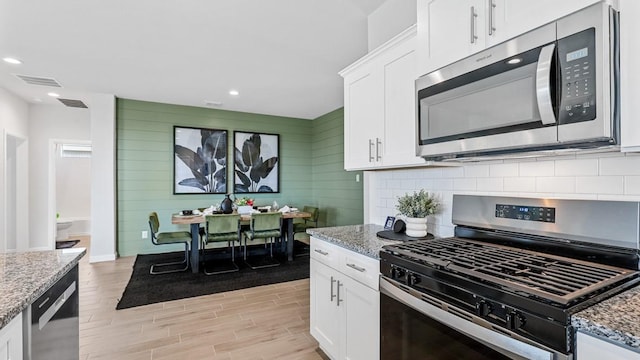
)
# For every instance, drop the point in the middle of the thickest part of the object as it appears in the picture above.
(356, 267)
(321, 252)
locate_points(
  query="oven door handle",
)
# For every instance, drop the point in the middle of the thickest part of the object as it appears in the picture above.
(481, 330)
(543, 84)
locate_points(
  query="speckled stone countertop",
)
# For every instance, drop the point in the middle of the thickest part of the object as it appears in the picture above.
(358, 238)
(615, 319)
(25, 276)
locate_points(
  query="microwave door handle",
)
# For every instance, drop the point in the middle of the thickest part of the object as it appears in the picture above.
(543, 84)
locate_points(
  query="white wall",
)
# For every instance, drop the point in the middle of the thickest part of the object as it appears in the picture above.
(14, 114)
(607, 176)
(103, 178)
(73, 186)
(47, 123)
(389, 20)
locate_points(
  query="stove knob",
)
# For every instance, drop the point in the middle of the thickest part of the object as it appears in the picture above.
(413, 279)
(515, 320)
(397, 273)
(483, 308)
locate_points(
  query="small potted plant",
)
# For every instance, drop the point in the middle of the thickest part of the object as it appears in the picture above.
(415, 208)
(245, 205)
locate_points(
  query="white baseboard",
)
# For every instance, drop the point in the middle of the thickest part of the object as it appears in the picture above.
(102, 258)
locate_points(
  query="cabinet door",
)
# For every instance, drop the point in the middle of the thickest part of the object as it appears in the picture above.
(11, 340)
(449, 31)
(400, 73)
(362, 320)
(363, 117)
(592, 348)
(520, 16)
(325, 318)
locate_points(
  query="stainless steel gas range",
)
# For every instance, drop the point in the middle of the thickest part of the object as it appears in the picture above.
(506, 285)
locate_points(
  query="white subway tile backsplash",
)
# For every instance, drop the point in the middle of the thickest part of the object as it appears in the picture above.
(464, 184)
(577, 167)
(497, 170)
(476, 170)
(453, 172)
(556, 184)
(520, 184)
(408, 184)
(537, 168)
(632, 185)
(600, 184)
(490, 184)
(620, 165)
(443, 184)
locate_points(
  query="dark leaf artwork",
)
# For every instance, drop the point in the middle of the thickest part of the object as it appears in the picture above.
(252, 172)
(203, 156)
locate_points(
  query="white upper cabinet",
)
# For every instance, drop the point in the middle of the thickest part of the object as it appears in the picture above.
(629, 88)
(451, 30)
(379, 101)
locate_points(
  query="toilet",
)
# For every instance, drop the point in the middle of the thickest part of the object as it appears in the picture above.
(62, 229)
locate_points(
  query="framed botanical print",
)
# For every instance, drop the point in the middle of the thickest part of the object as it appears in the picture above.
(256, 162)
(199, 161)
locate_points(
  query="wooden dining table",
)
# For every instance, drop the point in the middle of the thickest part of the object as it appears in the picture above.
(195, 220)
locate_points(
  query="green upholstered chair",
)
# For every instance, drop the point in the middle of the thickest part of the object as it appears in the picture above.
(267, 226)
(174, 237)
(312, 222)
(221, 228)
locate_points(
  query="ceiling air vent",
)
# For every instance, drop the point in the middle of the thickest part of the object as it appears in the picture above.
(73, 103)
(36, 80)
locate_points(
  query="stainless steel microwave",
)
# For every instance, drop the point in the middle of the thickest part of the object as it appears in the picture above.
(555, 87)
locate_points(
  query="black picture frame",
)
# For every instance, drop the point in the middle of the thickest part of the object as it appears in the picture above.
(388, 225)
(256, 159)
(199, 160)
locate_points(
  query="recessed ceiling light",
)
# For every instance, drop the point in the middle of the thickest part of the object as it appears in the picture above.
(52, 94)
(11, 60)
(234, 92)
(514, 61)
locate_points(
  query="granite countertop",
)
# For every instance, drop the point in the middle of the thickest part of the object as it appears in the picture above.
(358, 238)
(615, 319)
(24, 276)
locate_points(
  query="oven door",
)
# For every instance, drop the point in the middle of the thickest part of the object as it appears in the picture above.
(412, 328)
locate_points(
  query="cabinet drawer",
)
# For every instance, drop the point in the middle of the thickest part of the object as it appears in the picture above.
(361, 268)
(325, 253)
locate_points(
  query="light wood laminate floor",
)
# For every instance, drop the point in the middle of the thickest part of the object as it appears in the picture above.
(266, 322)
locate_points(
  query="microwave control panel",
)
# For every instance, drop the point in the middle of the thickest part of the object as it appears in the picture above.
(577, 65)
(528, 213)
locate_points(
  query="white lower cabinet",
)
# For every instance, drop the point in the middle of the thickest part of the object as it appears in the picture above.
(11, 340)
(345, 313)
(592, 348)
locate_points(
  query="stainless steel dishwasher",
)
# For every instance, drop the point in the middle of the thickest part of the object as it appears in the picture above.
(51, 323)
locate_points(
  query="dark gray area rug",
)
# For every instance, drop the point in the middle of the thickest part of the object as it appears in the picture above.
(65, 244)
(144, 288)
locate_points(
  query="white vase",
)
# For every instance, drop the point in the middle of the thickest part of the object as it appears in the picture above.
(416, 227)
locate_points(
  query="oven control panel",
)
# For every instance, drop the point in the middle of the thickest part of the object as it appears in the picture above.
(528, 213)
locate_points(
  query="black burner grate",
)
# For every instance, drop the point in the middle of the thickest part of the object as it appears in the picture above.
(547, 276)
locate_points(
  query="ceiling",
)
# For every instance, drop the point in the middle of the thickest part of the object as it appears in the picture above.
(282, 56)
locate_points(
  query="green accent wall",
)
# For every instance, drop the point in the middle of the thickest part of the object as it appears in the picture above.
(335, 190)
(311, 167)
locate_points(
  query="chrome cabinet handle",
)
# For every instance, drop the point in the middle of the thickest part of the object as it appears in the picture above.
(332, 295)
(492, 24)
(338, 295)
(473, 17)
(543, 84)
(370, 152)
(378, 145)
(321, 252)
(356, 267)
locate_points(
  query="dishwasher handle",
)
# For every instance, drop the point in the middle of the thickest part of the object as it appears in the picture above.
(44, 319)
